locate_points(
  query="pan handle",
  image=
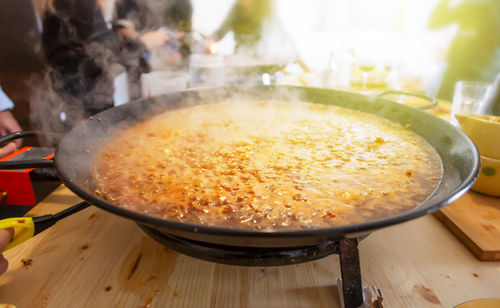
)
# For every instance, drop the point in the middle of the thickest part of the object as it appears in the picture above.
(24, 164)
(433, 101)
(27, 227)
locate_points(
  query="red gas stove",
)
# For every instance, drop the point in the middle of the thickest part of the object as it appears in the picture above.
(27, 187)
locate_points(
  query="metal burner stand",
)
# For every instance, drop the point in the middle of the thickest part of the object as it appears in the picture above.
(347, 249)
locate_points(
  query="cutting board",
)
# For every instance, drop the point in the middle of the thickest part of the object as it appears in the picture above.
(475, 220)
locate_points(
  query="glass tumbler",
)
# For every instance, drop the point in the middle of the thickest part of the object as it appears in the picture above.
(469, 97)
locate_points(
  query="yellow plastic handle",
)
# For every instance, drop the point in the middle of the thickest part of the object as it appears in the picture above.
(24, 229)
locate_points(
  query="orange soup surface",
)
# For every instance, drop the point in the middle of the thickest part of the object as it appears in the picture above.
(267, 165)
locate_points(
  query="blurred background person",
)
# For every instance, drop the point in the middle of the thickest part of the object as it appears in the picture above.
(179, 15)
(152, 18)
(257, 31)
(8, 125)
(474, 53)
(85, 54)
(245, 20)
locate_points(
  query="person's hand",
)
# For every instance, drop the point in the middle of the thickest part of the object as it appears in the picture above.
(127, 32)
(5, 236)
(11, 147)
(9, 125)
(180, 35)
(154, 39)
(210, 45)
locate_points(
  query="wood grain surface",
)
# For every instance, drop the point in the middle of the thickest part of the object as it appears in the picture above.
(96, 259)
(475, 221)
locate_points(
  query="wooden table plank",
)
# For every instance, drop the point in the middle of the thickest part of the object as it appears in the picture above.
(475, 221)
(89, 258)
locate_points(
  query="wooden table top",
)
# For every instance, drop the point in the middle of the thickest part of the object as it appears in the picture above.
(96, 259)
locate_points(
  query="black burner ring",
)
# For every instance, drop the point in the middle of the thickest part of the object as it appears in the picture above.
(244, 256)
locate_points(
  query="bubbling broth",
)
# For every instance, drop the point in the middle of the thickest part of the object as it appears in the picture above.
(267, 165)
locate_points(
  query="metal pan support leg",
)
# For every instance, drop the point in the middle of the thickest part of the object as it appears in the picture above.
(351, 273)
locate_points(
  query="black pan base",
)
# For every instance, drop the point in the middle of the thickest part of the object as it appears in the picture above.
(347, 249)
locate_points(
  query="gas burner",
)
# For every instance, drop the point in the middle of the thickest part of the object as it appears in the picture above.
(347, 249)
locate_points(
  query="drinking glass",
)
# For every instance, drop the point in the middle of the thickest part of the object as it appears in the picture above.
(469, 97)
(366, 66)
(365, 62)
